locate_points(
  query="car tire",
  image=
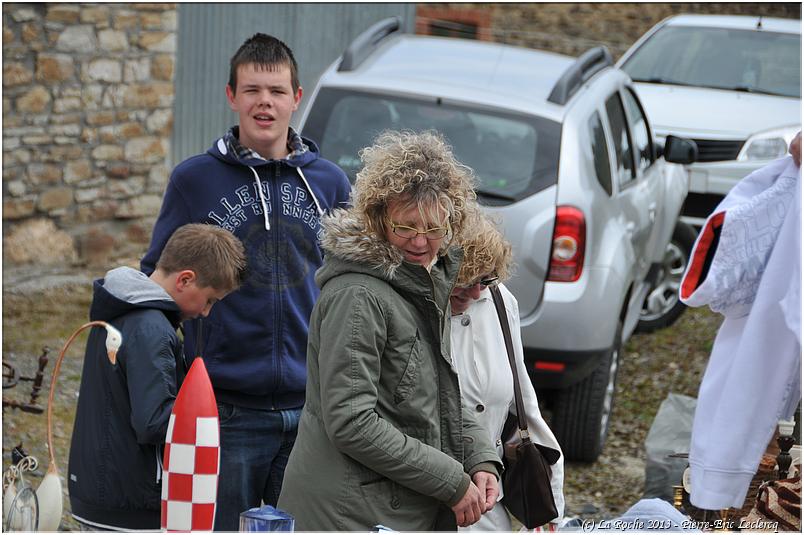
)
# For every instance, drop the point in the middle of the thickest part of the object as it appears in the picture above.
(662, 306)
(582, 412)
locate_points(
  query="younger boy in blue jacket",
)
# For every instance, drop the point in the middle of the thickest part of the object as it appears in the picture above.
(123, 409)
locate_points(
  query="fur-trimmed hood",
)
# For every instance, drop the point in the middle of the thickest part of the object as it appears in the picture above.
(343, 236)
(348, 248)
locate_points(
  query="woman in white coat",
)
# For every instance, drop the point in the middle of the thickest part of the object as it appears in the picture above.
(479, 355)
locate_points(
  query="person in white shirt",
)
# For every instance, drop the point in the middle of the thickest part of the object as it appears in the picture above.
(480, 358)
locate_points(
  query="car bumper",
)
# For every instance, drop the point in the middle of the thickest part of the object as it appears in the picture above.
(577, 366)
(710, 182)
(574, 326)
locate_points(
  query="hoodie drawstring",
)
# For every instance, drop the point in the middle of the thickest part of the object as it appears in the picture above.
(315, 200)
(262, 198)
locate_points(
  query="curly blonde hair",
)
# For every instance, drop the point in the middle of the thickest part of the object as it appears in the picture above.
(416, 169)
(485, 251)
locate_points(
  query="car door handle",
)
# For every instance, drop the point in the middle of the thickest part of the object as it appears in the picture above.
(652, 211)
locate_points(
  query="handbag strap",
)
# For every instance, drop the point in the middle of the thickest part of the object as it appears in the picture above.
(509, 347)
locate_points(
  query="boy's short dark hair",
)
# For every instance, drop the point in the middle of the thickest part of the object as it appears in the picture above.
(215, 255)
(267, 52)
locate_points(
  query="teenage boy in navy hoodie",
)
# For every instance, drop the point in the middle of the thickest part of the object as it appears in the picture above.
(266, 184)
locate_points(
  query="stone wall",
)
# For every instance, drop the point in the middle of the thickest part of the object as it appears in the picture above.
(87, 119)
(573, 28)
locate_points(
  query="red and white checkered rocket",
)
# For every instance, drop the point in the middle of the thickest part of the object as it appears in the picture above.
(191, 463)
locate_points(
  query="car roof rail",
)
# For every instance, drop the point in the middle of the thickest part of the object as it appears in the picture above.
(365, 43)
(579, 72)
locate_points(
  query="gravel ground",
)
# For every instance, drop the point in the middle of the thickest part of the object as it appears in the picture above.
(44, 309)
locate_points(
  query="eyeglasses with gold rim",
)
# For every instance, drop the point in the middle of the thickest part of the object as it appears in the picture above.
(404, 231)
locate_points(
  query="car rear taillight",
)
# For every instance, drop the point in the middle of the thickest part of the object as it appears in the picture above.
(569, 244)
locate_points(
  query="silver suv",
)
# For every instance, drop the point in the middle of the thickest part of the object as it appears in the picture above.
(565, 159)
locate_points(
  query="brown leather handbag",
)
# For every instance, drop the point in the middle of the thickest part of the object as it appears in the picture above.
(527, 493)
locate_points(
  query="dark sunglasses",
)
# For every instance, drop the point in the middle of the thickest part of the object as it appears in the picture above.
(488, 282)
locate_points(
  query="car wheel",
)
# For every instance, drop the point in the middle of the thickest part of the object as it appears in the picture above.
(662, 307)
(582, 413)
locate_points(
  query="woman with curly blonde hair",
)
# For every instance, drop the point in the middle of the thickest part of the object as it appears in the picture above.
(383, 437)
(480, 356)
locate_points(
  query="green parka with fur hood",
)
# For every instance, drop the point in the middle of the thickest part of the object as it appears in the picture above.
(383, 438)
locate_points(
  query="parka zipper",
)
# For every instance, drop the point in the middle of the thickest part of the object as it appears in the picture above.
(158, 464)
(442, 315)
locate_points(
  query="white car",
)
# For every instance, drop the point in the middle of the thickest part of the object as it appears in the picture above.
(731, 83)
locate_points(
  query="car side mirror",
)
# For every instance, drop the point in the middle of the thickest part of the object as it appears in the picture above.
(680, 150)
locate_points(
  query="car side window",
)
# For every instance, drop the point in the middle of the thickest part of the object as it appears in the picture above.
(640, 130)
(600, 152)
(622, 140)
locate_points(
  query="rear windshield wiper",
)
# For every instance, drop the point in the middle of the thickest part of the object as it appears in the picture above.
(494, 195)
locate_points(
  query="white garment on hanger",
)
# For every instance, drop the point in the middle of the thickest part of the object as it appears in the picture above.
(753, 377)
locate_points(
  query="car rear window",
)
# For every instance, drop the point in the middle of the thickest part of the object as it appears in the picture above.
(742, 60)
(512, 155)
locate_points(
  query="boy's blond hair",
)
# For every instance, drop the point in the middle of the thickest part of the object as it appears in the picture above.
(215, 255)
(485, 251)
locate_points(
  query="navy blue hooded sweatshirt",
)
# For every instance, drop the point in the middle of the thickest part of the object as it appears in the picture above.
(254, 342)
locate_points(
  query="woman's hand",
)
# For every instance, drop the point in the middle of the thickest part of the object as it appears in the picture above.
(487, 484)
(795, 149)
(472, 505)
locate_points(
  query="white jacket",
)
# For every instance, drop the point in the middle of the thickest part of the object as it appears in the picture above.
(487, 385)
(750, 273)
